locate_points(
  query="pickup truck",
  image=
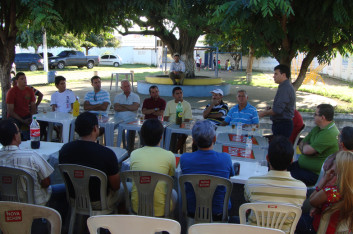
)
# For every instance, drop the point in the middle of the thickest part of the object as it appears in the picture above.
(73, 58)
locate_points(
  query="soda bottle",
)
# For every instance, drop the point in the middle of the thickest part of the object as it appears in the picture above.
(35, 134)
(76, 108)
(179, 114)
(248, 147)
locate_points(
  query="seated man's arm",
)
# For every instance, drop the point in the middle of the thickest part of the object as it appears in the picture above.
(33, 108)
(305, 148)
(39, 97)
(53, 107)
(97, 107)
(114, 182)
(133, 107)
(45, 182)
(10, 109)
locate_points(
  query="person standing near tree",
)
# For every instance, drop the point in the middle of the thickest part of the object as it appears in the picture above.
(282, 111)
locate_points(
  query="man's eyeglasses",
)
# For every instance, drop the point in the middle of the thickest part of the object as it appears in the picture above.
(316, 114)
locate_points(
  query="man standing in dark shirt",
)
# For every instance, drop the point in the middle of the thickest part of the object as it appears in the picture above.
(154, 106)
(282, 111)
(87, 152)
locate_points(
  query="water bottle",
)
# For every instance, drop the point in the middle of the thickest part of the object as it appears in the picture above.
(76, 108)
(179, 114)
(35, 134)
(248, 147)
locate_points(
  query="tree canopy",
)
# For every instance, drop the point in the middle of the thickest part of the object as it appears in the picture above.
(318, 29)
(178, 23)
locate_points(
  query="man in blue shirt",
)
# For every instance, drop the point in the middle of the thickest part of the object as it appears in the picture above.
(177, 70)
(206, 161)
(243, 112)
(98, 100)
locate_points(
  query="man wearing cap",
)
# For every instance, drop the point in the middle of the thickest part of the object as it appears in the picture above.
(177, 70)
(243, 112)
(217, 110)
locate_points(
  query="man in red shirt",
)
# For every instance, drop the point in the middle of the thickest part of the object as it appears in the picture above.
(21, 105)
(154, 106)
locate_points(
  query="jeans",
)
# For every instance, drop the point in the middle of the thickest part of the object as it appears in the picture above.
(58, 200)
(309, 178)
(282, 127)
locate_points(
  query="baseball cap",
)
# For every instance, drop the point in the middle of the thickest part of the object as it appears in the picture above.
(217, 91)
(176, 54)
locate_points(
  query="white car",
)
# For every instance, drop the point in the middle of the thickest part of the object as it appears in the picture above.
(111, 60)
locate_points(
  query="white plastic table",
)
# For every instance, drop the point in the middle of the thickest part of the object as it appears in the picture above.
(66, 119)
(228, 129)
(46, 149)
(135, 125)
(174, 128)
(117, 74)
(247, 170)
(230, 139)
(236, 150)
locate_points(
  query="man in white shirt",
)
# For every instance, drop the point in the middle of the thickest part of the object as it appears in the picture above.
(177, 70)
(63, 99)
(30, 161)
(125, 105)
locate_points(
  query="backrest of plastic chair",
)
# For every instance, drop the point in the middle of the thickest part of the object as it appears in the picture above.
(18, 217)
(297, 139)
(80, 176)
(146, 182)
(325, 220)
(270, 215)
(131, 224)
(216, 228)
(204, 187)
(11, 181)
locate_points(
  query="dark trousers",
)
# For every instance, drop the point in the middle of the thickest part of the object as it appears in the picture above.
(58, 200)
(282, 127)
(309, 178)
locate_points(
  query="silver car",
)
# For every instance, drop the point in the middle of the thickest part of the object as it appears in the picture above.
(111, 60)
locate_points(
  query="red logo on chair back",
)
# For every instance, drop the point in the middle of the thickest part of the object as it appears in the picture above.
(13, 216)
(145, 179)
(7, 180)
(272, 206)
(204, 183)
(79, 173)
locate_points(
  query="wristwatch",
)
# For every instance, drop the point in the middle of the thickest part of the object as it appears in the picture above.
(155, 109)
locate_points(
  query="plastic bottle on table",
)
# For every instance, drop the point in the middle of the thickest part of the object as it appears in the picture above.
(179, 114)
(76, 108)
(35, 134)
(248, 147)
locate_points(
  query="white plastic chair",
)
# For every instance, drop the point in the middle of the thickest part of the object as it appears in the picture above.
(216, 228)
(79, 176)
(146, 182)
(204, 187)
(132, 224)
(295, 156)
(325, 220)
(11, 185)
(271, 215)
(18, 217)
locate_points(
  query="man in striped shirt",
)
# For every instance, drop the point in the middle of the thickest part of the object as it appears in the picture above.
(243, 112)
(217, 109)
(277, 186)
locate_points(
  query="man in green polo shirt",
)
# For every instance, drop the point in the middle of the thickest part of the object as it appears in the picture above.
(320, 143)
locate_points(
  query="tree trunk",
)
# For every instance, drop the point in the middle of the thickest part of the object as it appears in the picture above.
(185, 47)
(303, 69)
(7, 51)
(249, 65)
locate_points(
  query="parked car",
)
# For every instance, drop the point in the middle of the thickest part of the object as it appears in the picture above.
(27, 61)
(49, 55)
(111, 60)
(73, 58)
